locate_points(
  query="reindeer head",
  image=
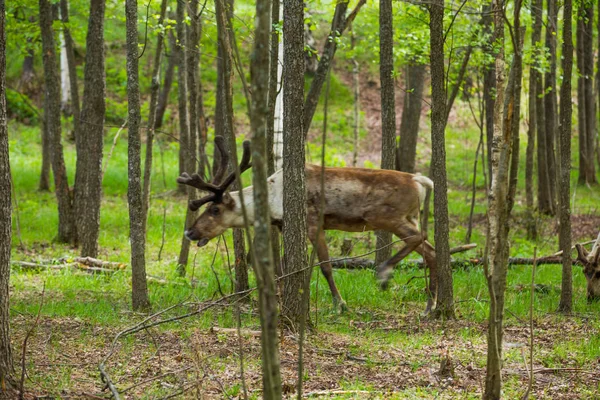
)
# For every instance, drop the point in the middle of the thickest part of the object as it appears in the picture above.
(591, 268)
(220, 212)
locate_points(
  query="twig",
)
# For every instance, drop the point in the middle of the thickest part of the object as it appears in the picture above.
(116, 138)
(108, 382)
(27, 336)
(155, 378)
(532, 293)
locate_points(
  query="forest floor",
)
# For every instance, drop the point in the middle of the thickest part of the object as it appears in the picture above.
(381, 348)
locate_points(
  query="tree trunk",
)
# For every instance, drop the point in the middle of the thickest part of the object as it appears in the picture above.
(505, 127)
(163, 98)
(338, 25)
(184, 129)
(356, 90)
(531, 131)
(6, 362)
(137, 237)
(581, 99)
(411, 115)
(564, 193)
(186, 162)
(544, 196)
(588, 83)
(489, 85)
(70, 53)
(151, 123)
(263, 257)
(275, 71)
(46, 158)
(89, 141)
(227, 130)
(388, 111)
(28, 72)
(445, 296)
(550, 108)
(294, 198)
(66, 220)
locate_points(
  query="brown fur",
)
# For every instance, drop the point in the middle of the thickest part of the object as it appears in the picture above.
(356, 200)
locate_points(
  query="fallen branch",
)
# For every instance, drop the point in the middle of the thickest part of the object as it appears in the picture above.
(362, 263)
(78, 266)
(108, 382)
(234, 331)
(336, 392)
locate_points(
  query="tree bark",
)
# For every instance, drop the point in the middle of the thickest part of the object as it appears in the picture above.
(6, 362)
(531, 132)
(406, 153)
(294, 197)
(581, 99)
(588, 84)
(274, 82)
(564, 193)
(70, 50)
(151, 123)
(89, 141)
(550, 109)
(66, 220)
(46, 158)
(184, 129)
(445, 296)
(163, 97)
(338, 25)
(505, 127)
(263, 257)
(139, 292)
(227, 130)
(388, 111)
(489, 85)
(186, 161)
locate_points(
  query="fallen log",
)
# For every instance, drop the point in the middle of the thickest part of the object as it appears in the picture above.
(363, 263)
(77, 266)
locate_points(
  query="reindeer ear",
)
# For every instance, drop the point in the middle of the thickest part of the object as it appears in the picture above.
(581, 253)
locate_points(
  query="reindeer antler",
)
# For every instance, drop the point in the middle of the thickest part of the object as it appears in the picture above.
(217, 190)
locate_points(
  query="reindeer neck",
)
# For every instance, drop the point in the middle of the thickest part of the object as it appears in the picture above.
(238, 218)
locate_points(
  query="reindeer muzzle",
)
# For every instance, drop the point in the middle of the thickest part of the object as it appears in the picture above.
(202, 242)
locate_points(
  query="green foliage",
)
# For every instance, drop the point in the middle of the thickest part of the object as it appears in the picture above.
(20, 107)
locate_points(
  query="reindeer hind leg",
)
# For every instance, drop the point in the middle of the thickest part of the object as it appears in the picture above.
(412, 239)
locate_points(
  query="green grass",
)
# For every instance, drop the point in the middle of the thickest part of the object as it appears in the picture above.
(379, 323)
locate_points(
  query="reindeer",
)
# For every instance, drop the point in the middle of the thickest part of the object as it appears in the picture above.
(356, 200)
(591, 268)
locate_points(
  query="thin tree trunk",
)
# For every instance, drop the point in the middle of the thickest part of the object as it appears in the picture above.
(6, 362)
(445, 296)
(88, 177)
(505, 114)
(531, 131)
(564, 210)
(66, 221)
(581, 99)
(356, 90)
(274, 74)
(27, 72)
(590, 106)
(70, 53)
(294, 198)
(411, 115)
(489, 85)
(263, 257)
(185, 160)
(46, 157)
(388, 111)
(163, 98)
(139, 292)
(339, 23)
(226, 107)
(550, 108)
(151, 123)
(184, 129)
(544, 196)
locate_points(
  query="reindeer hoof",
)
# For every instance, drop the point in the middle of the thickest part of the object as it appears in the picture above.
(340, 305)
(384, 274)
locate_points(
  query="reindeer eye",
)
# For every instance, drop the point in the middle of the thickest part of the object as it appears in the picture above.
(214, 210)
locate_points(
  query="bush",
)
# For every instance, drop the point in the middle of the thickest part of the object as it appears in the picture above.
(19, 107)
